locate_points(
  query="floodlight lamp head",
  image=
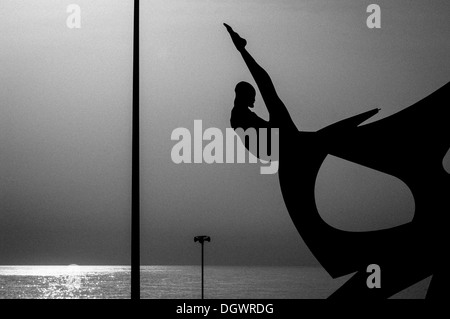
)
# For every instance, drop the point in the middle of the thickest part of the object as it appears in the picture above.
(202, 239)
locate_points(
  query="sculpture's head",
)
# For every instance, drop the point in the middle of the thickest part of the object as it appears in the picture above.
(245, 95)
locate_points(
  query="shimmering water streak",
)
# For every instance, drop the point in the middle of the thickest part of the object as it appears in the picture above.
(59, 270)
(65, 282)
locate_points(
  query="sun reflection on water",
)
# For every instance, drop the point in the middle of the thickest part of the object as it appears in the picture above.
(64, 282)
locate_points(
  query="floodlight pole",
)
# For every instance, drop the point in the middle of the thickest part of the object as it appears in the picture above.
(135, 187)
(201, 240)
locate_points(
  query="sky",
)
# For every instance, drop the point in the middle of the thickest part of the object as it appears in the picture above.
(65, 123)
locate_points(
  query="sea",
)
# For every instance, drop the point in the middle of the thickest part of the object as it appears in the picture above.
(175, 282)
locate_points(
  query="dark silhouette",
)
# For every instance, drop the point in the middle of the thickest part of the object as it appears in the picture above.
(135, 184)
(409, 145)
(241, 115)
(201, 240)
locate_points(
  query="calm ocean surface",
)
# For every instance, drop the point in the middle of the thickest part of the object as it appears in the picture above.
(161, 282)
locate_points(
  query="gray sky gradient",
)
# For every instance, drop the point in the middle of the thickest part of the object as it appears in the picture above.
(65, 123)
(65, 133)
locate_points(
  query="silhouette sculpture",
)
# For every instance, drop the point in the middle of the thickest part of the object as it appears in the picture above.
(201, 240)
(409, 145)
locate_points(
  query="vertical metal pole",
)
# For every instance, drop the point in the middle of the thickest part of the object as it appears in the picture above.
(202, 271)
(135, 187)
(201, 240)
